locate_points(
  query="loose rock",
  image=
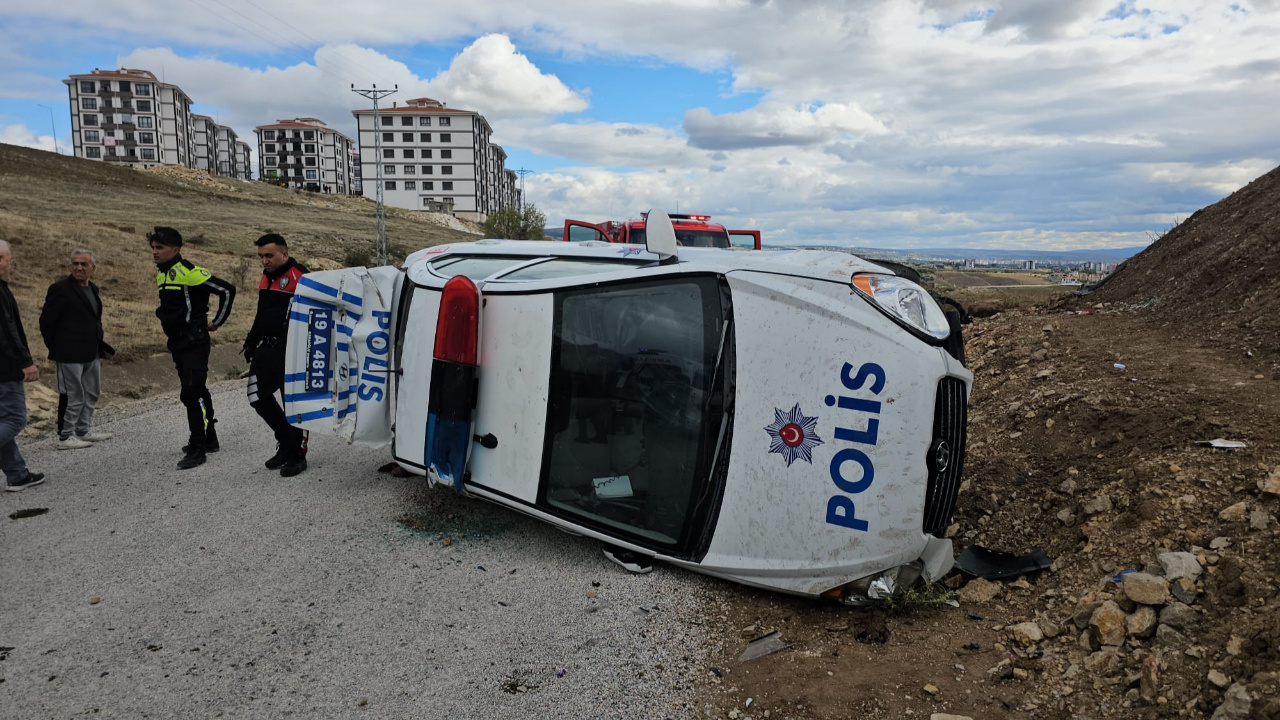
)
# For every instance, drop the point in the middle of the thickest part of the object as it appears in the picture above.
(1027, 633)
(1146, 589)
(1183, 590)
(1141, 623)
(1217, 678)
(1168, 637)
(1271, 486)
(1236, 705)
(1259, 519)
(1179, 565)
(1100, 504)
(1234, 513)
(1107, 624)
(979, 591)
(1178, 616)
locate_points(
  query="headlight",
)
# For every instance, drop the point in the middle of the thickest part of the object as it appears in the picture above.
(904, 301)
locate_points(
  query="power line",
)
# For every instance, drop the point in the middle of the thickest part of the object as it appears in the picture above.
(280, 20)
(375, 95)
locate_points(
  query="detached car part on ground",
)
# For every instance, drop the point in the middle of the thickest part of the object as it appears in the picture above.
(787, 419)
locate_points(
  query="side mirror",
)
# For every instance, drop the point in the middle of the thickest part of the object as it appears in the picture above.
(660, 237)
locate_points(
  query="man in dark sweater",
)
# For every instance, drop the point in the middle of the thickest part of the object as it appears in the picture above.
(71, 325)
(184, 315)
(16, 367)
(264, 349)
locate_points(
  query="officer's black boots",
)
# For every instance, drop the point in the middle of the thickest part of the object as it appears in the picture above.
(281, 457)
(211, 444)
(194, 456)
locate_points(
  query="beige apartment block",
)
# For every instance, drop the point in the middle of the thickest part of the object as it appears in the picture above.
(130, 117)
(305, 153)
(433, 157)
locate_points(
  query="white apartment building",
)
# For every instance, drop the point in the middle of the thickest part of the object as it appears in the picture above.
(305, 153)
(357, 185)
(244, 166)
(215, 147)
(432, 158)
(130, 118)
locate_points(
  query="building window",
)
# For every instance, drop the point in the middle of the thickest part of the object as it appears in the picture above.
(142, 105)
(446, 137)
(445, 122)
(296, 136)
(297, 172)
(388, 153)
(388, 169)
(410, 170)
(311, 174)
(446, 169)
(272, 173)
(87, 87)
(145, 121)
(104, 86)
(269, 147)
(446, 185)
(426, 153)
(310, 162)
(148, 154)
(89, 119)
(92, 136)
(309, 148)
(388, 137)
(271, 161)
(388, 120)
(427, 169)
(88, 103)
(428, 185)
(407, 121)
(268, 135)
(93, 152)
(424, 137)
(406, 137)
(129, 136)
(446, 154)
(309, 135)
(425, 122)
(142, 89)
(148, 138)
(410, 185)
(126, 86)
(389, 185)
(408, 153)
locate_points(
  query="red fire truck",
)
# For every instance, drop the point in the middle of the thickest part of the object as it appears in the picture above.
(691, 231)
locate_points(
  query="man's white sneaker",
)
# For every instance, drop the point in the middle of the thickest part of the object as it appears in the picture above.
(96, 436)
(73, 443)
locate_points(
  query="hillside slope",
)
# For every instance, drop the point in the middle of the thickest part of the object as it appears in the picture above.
(51, 204)
(1219, 270)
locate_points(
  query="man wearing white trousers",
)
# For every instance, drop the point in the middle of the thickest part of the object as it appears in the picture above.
(71, 324)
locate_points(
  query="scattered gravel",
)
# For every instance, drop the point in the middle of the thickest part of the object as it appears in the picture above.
(229, 591)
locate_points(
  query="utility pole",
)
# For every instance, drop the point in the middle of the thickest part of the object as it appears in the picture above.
(375, 95)
(522, 172)
(52, 127)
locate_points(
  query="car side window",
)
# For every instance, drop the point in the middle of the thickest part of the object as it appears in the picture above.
(630, 426)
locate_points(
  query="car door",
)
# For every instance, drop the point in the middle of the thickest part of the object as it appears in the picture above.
(747, 239)
(579, 231)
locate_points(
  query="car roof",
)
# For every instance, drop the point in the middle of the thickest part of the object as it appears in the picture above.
(818, 264)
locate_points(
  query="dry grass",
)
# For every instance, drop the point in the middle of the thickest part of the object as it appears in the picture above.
(50, 205)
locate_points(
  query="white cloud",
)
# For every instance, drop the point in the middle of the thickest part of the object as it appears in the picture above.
(21, 135)
(493, 77)
(774, 124)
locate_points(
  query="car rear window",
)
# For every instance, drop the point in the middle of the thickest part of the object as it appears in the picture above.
(635, 406)
(687, 238)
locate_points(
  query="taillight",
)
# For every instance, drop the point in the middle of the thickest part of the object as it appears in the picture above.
(458, 325)
(451, 399)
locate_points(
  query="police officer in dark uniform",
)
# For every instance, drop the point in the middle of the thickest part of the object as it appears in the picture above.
(184, 315)
(264, 348)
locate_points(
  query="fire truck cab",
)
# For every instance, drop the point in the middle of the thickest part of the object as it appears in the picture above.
(691, 231)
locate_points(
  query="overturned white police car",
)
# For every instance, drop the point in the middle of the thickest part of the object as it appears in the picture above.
(788, 419)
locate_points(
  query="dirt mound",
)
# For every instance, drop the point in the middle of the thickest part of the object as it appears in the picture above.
(1217, 272)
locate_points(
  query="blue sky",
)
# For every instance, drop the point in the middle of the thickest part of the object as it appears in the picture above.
(1035, 124)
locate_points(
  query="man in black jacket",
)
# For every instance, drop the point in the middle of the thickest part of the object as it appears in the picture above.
(71, 325)
(16, 367)
(184, 315)
(264, 349)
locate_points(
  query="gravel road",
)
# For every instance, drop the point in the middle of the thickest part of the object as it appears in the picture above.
(227, 590)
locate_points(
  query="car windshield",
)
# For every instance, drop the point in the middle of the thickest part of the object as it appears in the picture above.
(687, 238)
(636, 405)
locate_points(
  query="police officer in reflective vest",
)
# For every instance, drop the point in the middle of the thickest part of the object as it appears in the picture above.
(184, 315)
(264, 349)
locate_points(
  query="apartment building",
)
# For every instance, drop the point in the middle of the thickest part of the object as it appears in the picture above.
(432, 157)
(357, 184)
(244, 167)
(215, 148)
(131, 118)
(305, 153)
